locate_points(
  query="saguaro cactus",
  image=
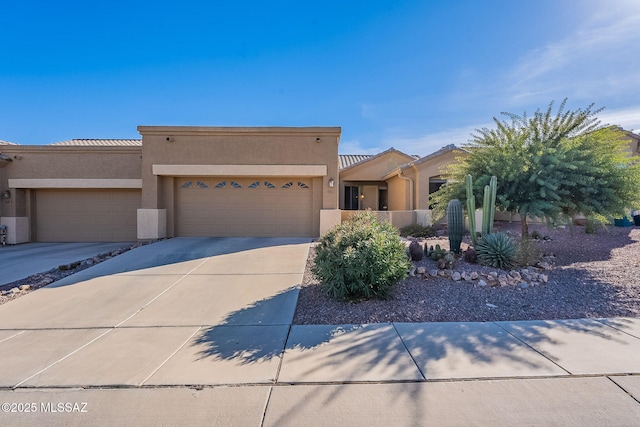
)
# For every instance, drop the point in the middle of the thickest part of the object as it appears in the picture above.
(489, 206)
(471, 208)
(454, 225)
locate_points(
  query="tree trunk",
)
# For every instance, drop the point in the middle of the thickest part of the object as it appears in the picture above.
(525, 226)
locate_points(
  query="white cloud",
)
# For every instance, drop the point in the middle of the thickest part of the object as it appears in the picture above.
(428, 143)
(628, 118)
(596, 61)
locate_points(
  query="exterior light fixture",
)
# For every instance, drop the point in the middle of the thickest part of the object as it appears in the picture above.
(332, 182)
(6, 194)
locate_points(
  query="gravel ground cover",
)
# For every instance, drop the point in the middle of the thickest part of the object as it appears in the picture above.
(591, 276)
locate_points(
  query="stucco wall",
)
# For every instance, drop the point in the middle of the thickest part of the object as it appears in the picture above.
(268, 147)
(186, 145)
(428, 169)
(398, 194)
(48, 163)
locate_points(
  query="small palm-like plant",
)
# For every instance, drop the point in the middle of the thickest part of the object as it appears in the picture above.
(497, 250)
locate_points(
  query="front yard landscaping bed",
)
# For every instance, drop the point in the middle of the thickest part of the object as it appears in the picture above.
(591, 276)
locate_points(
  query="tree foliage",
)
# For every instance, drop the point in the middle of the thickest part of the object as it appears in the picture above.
(549, 165)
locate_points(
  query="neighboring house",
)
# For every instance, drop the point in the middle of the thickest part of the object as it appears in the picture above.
(634, 146)
(209, 181)
(394, 182)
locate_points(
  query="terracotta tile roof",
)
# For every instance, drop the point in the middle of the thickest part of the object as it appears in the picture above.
(101, 142)
(347, 160)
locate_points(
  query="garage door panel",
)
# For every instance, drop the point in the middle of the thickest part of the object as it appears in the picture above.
(87, 215)
(230, 206)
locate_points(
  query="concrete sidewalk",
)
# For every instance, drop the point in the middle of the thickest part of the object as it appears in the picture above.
(575, 372)
(198, 332)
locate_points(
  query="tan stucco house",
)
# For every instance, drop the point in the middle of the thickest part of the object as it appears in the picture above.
(176, 181)
(209, 181)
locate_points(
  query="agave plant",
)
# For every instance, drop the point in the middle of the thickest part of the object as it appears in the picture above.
(497, 250)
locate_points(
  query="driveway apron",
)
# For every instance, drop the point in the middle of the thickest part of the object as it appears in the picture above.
(184, 311)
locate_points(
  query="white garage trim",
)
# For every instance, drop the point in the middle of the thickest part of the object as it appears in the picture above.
(74, 183)
(241, 170)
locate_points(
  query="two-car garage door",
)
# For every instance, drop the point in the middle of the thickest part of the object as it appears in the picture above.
(240, 206)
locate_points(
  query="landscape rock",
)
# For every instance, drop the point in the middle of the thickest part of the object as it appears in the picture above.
(474, 275)
(456, 276)
(544, 265)
(523, 285)
(482, 283)
(422, 270)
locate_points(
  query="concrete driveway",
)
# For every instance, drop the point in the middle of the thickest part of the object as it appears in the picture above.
(183, 311)
(20, 261)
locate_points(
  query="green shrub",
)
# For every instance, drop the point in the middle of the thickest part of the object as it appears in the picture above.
(361, 258)
(527, 253)
(497, 250)
(417, 230)
(591, 227)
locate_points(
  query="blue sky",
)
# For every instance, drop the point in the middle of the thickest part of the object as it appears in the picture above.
(415, 75)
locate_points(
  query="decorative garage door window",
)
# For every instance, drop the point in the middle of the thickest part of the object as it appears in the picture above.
(222, 184)
(199, 184)
(290, 185)
(257, 184)
(228, 184)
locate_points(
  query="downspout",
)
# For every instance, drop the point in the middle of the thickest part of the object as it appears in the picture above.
(406, 178)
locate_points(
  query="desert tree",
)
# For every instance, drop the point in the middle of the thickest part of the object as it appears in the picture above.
(549, 165)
